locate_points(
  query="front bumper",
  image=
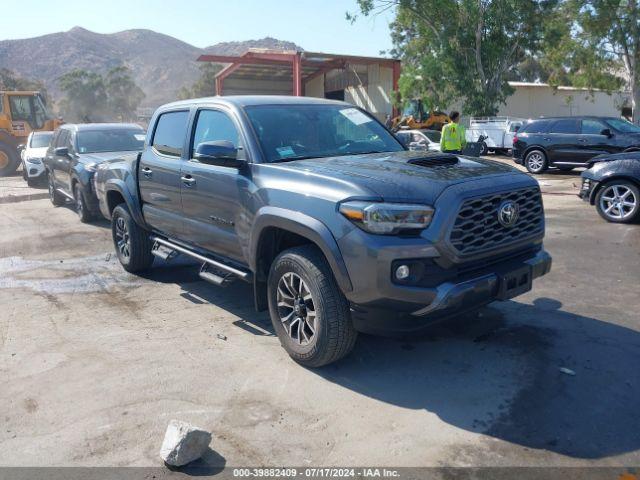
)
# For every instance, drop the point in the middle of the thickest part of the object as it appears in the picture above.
(33, 170)
(587, 189)
(452, 298)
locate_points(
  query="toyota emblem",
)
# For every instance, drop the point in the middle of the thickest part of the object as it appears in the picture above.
(508, 213)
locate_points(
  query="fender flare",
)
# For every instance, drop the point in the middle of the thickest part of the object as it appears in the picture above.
(305, 226)
(118, 185)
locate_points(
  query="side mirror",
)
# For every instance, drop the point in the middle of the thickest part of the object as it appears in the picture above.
(219, 152)
(61, 151)
(516, 128)
(607, 133)
(21, 147)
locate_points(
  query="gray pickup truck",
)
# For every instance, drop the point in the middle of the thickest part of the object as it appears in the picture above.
(336, 225)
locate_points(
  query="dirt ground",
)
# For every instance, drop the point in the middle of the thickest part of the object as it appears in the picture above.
(94, 362)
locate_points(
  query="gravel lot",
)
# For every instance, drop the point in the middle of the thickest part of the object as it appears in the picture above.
(94, 362)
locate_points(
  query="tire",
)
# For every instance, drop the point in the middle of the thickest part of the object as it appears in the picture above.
(25, 177)
(131, 242)
(57, 199)
(9, 160)
(484, 150)
(609, 197)
(81, 208)
(328, 335)
(536, 162)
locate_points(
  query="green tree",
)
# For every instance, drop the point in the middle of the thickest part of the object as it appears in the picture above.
(85, 97)
(461, 50)
(205, 86)
(123, 95)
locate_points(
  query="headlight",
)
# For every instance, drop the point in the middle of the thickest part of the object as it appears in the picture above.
(387, 218)
(36, 161)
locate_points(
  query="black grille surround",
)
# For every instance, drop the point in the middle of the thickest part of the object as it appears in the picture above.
(477, 228)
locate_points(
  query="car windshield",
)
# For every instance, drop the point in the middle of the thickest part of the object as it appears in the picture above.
(116, 140)
(293, 132)
(623, 126)
(39, 140)
(432, 135)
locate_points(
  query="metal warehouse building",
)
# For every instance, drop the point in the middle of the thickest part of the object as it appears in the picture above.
(368, 82)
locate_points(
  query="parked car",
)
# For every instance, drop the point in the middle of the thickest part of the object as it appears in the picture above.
(336, 225)
(428, 140)
(569, 142)
(612, 184)
(74, 154)
(32, 156)
(496, 132)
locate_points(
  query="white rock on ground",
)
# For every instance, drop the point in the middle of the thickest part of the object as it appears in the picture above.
(183, 443)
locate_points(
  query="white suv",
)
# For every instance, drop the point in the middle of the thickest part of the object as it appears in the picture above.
(33, 154)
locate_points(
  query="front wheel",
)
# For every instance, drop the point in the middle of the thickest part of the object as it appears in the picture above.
(484, 150)
(619, 202)
(132, 242)
(536, 161)
(309, 312)
(57, 199)
(9, 160)
(81, 204)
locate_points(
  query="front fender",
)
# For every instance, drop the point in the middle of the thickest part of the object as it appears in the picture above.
(305, 226)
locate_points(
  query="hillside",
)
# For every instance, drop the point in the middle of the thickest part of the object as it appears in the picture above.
(160, 64)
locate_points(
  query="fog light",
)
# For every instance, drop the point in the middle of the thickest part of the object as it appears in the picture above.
(402, 272)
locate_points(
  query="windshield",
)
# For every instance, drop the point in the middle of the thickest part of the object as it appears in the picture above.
(623, 126)
(120, 140)
(291, 132)
(39, 140)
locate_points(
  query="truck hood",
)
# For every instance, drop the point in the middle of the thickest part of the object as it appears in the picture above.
(609, 157)
(39, 152)
(102, 156)
(403, 176)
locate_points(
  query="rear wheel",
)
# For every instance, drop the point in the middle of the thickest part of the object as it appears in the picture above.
(484, 150)
(308, 311)
(619, 202)
(536, 161)
(57, 199)
(9, 160)
(132, 242)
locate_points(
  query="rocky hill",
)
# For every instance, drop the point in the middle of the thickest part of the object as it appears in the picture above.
(160, 64)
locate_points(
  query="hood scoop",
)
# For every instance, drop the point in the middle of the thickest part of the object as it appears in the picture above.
(435, 160)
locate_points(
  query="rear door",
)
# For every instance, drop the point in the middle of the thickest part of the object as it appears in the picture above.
(159, 173)
(212, 195)
(563, 145)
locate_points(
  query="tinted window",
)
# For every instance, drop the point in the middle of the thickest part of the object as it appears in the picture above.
(566, 125)
(288, 132)
(120, 140)
(63, 138)
(623, 126)
(39, 140)
(213, 125)
(592, 127)
(171, 129)
(540, 126)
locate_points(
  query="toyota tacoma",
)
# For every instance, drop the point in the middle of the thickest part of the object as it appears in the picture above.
(336, 225)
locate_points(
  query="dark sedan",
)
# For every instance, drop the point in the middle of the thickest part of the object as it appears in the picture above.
(74, 154)
(612, 184)
(569, 142)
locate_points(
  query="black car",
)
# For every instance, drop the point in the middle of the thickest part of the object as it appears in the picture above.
(612, 184)
(569, 142)
(74, 154)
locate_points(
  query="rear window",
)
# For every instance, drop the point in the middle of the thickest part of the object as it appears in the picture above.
(538, 126)
(566, 125)
(39, 140)
(170, 133)
(110, 140)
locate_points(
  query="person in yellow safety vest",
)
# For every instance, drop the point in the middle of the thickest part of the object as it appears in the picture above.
(453, 138)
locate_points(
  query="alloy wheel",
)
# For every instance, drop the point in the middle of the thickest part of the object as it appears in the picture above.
(79, 203)
(618, 202)
(123, 241)
(535, 161)
(296, 308)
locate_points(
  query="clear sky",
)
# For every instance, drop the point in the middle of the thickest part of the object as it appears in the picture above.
(316, 25)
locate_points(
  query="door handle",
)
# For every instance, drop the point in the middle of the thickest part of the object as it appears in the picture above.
(582, 140)
(547, 139)
(146, 171)
(188, 180)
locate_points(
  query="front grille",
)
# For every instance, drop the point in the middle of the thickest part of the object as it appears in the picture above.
(478, 229)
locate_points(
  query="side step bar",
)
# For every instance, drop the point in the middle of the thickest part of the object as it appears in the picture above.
(211, 269)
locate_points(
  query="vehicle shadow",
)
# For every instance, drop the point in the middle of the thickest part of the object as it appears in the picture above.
(498, 373)
(209, 464)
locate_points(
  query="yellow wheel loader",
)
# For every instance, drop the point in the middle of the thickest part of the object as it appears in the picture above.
(20, 114)
(415, 117)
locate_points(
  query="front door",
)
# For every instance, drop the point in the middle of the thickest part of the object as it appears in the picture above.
(593, 141)
(159, 173)
(61, 164)
(212, 195)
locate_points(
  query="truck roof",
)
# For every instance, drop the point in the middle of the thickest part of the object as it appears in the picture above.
(101, 126)
(250, 100)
